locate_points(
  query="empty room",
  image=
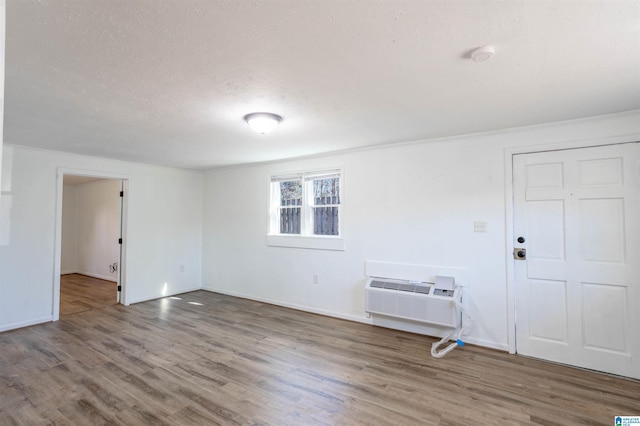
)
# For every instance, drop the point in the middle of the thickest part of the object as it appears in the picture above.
(322, 212)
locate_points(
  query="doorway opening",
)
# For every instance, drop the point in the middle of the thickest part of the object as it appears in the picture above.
(89, 255)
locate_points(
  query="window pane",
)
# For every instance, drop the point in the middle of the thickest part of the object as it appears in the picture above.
(291, 193)
(326, 191)
(290, 220)
(325, 221)
(290, 217)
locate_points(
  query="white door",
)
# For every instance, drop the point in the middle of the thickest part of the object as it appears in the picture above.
(577, 216)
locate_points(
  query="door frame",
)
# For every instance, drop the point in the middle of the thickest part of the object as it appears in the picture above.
(61, 172)
(509, 210)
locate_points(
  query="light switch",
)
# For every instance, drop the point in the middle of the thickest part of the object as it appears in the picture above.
(479, 226)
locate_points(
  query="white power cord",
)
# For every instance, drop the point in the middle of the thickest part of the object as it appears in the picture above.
(459, 331)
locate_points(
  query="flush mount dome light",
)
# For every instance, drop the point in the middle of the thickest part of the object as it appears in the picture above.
(262, 122)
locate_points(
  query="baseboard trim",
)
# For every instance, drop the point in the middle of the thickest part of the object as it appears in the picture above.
(304, 308)
(100, 277)
(26, 323)
(154, 297)
(348, 317)
(486, 343)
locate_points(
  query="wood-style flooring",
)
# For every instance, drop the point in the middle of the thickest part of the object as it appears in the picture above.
(203, 358)
(79, 293)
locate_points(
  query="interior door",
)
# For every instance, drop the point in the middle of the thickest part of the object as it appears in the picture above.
(576, 254)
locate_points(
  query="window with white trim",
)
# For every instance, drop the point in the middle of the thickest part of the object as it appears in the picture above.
(306, 204)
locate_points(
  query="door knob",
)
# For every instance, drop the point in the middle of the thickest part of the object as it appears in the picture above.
(519, 253)
(521, 240)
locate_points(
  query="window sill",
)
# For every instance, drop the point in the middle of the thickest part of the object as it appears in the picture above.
(315, 243)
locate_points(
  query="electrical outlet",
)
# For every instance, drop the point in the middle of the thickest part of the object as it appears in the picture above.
(316, 279)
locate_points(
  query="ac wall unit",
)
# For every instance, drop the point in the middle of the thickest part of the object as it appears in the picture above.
(421, 302)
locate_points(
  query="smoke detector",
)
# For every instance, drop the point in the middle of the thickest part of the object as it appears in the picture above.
(483, 53)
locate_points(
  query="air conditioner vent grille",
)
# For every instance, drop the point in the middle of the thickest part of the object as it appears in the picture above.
(424, 289)
(411, 288)
(377, 284)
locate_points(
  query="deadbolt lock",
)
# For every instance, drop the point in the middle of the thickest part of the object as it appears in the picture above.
(520, 253)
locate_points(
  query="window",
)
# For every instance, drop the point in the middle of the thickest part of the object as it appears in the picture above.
(306, 207)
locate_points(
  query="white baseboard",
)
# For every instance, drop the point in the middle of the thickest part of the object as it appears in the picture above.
(304, 308)
(486, 343)
(391, 323)
(101, 277)
(26, 323)
(160, 296)
(69, 272)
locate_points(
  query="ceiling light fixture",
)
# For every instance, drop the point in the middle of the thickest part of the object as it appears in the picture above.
(483, 53)
(262, 122)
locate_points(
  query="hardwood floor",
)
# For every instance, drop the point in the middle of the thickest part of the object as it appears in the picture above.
(79, 293)
(205, 358)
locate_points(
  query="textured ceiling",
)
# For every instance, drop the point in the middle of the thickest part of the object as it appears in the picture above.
(168, 82)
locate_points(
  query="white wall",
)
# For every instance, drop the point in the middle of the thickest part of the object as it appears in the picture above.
(164, 230)
(98, 228)
(415, 203)
(3, 9)
(69, 246)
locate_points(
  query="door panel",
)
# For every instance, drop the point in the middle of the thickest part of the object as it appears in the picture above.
(548, 313)
(546, 230)
(604, 317)
(545, 176)
(602, 230)
(599, 172)
(577, 292)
